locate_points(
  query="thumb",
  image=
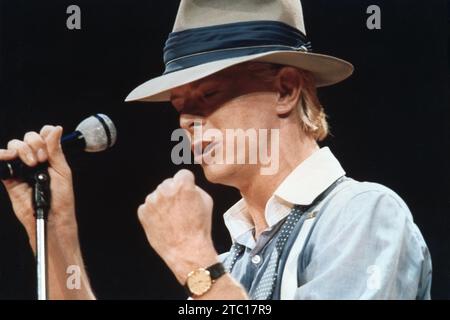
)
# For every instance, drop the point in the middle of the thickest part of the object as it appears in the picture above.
(184, 176)
(205, 197)
(56, 157)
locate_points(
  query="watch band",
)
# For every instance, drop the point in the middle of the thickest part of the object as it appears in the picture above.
(215, 272)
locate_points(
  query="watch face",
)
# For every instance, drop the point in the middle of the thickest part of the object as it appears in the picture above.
(199, 282)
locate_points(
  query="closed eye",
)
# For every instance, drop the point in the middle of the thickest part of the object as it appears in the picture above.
(210, 94)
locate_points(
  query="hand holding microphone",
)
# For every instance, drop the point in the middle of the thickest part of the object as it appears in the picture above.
(45, 149)
(34, 149)
(94, 134)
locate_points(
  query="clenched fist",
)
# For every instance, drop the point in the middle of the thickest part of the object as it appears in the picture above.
(177, 221)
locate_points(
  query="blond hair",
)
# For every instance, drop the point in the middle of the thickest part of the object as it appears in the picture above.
(313, 119)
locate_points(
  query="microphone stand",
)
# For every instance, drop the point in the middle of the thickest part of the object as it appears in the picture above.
(40, 180)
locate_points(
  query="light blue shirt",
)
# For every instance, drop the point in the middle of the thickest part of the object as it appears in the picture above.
(363, 244)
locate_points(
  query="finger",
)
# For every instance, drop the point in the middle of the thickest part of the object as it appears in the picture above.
(6, 154)
(151, 198)
(56, 156)
(37, 144)
(24, 151)
(45, 131)
(185, 177)
(205, 196)
(167, 188)
(141, 213)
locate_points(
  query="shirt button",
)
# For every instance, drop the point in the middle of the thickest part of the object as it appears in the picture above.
(256, 259)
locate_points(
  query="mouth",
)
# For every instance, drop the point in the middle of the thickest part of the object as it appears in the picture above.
(203, 148)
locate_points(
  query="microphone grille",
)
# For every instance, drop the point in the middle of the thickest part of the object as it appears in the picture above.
(99, 132)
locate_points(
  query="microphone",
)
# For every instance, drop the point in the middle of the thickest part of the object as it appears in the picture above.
(94, 134)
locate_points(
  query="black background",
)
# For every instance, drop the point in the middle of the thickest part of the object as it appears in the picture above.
(389, 123)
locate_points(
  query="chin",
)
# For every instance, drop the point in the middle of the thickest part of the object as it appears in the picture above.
(221, 173)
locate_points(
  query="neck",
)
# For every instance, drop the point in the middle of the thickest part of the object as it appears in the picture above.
(257, 189)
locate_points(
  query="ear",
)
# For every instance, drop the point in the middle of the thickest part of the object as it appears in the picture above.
(288, 84)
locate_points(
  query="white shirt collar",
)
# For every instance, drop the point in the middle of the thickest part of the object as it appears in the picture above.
(304, 184)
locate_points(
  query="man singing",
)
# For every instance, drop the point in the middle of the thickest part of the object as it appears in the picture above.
(304, 231)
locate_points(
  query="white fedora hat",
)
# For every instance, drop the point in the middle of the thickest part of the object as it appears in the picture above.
(212, 35)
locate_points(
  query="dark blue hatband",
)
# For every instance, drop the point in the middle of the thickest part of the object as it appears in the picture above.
(196, 46)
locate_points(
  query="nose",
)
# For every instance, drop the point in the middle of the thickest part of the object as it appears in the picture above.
(193, 111)
(190, 121)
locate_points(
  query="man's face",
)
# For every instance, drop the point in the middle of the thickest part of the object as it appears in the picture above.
(230, 99)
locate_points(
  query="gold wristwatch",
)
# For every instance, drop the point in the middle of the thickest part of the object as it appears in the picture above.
(201, 280)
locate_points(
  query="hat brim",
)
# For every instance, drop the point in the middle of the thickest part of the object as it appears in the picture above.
(327, 70)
